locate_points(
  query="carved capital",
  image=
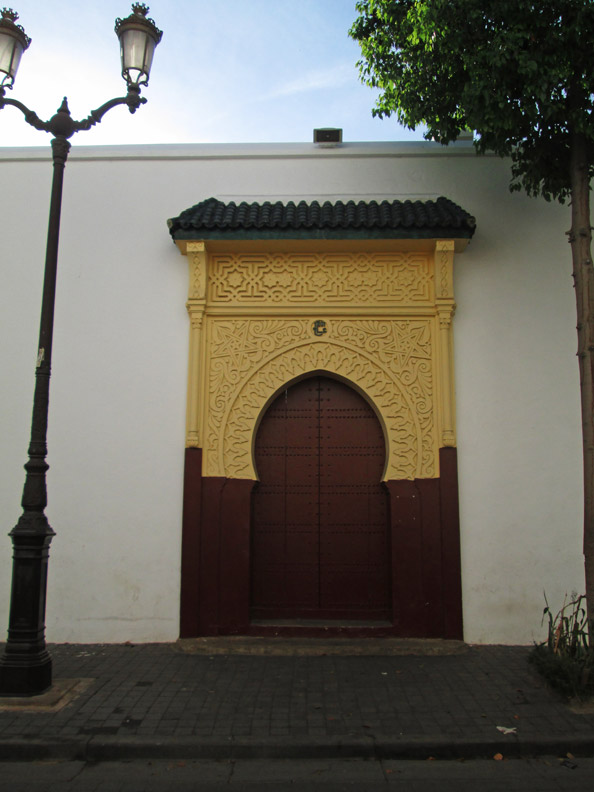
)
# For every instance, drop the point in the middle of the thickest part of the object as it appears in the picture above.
(196, 310)
(192, 439)
(195, 247)
(448, 438)
(197, 261)
(444, 269)
(445, 316)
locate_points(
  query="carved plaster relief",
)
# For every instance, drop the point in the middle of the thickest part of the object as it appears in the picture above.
(388, 360)
(361, 279)
(444, 264)
(196, 305)
(381, 321)
(444, 253)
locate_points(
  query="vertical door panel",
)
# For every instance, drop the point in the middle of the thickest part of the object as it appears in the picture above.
(320, 545)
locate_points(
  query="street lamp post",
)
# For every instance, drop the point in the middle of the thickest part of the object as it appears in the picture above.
(26, 666)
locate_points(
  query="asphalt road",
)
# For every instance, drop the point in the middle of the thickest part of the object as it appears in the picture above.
(543, 774)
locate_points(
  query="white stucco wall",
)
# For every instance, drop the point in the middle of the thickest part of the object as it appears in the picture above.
(117, 406)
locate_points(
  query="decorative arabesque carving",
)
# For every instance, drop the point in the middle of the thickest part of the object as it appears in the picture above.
(389, 360)
(381, 321)
(333, 278)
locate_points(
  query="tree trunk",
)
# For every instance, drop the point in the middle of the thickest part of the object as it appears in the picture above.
(580, 238)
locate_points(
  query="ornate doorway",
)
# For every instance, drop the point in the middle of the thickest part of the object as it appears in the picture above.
(347, 521)
(320, 546)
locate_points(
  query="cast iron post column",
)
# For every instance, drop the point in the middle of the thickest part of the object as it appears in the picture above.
(26, 667)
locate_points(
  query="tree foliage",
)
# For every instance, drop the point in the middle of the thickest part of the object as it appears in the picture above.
(519, 73)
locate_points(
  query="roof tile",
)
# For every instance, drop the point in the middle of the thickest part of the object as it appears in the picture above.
(212, 217)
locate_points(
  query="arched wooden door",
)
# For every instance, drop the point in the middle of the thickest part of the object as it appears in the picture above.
(320, 541)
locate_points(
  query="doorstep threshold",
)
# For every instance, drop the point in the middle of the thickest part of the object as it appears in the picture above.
(329, 623)
(316, 647)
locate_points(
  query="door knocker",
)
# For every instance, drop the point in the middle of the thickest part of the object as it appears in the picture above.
(319, 327)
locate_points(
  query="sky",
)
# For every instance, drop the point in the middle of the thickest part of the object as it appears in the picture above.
(226, 71)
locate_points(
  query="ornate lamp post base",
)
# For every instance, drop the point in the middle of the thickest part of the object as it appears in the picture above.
(26, 666)
(23, 675)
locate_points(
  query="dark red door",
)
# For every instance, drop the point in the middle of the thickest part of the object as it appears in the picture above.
(320, 546)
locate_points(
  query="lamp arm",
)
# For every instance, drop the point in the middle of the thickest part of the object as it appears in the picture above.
(132, 99)
(62, 125)
(30, 116)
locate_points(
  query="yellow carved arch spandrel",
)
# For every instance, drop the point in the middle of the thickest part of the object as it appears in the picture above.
(389, 361)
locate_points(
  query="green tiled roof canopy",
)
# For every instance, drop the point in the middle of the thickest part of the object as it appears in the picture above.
(213, 219)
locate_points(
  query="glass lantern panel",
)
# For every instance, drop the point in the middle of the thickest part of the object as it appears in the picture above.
(137, 54)
(10, 57)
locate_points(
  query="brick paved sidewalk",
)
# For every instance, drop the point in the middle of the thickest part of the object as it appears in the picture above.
(157, 700)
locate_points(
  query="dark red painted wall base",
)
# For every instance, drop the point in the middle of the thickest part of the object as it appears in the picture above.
(191, 531)
(426, 582)
(425, 546)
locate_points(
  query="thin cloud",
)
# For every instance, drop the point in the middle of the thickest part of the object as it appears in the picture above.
(320, 80)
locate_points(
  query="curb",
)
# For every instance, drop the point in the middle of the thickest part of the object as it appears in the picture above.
(114, 748)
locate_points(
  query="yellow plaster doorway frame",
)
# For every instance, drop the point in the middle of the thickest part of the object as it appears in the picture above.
(376, 313)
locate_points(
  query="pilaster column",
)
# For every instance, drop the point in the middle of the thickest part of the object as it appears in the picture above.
(444, 294)
(196, 305)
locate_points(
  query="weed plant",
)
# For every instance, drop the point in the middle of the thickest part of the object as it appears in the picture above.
(566, 658)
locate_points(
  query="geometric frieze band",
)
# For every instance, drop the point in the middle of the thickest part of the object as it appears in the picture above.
(333, 278)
